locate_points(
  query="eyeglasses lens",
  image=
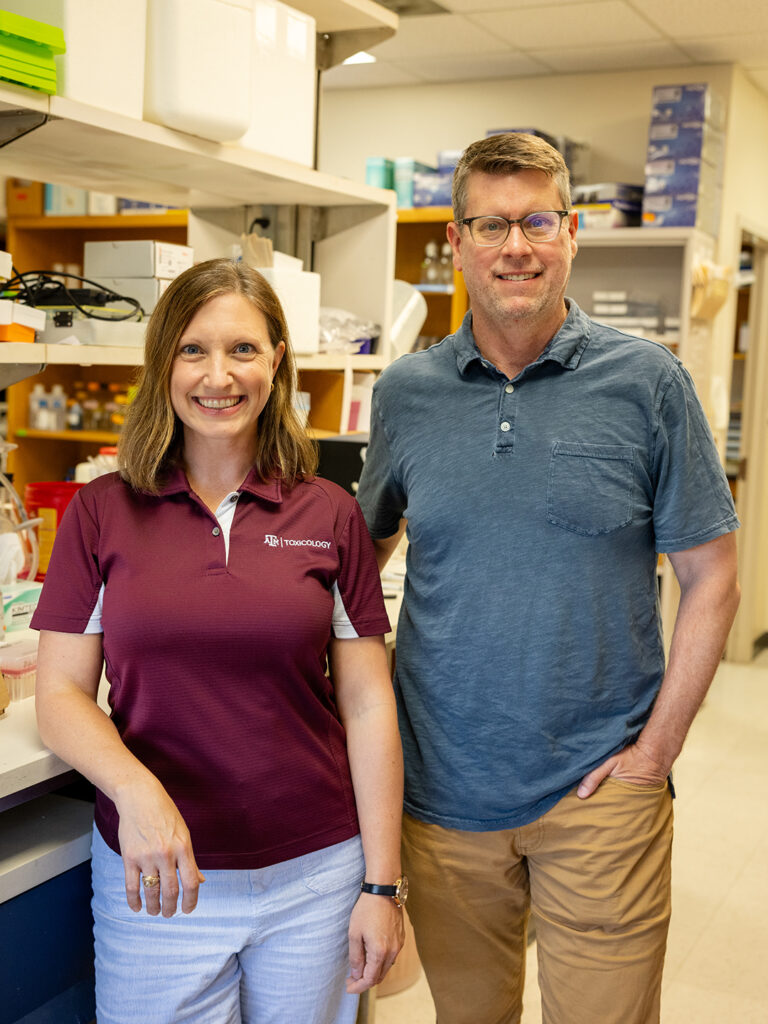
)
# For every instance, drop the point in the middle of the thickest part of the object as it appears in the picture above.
(537, 227)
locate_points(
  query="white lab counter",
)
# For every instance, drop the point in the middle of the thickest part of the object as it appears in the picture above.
(24, 762)
(41, 836)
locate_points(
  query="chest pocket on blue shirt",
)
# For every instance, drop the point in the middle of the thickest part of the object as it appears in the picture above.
(590, 486)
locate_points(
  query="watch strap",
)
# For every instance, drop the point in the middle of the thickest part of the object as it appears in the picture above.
(379, 890)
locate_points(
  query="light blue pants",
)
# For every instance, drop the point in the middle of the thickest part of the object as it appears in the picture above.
(267, 946)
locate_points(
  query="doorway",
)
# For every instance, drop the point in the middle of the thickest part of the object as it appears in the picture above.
(748, 448)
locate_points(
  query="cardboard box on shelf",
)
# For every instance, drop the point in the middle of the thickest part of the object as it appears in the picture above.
(146, 290)
(406, 168)
(677, 177)
(19, 603)
(24, 198)
(432, 188)
(65, 201)
(380, 172)
(695, 101)
(674, 140)
(136, 258)
(688, 210)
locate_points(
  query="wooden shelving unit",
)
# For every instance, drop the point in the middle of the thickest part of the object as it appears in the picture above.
(416, 227)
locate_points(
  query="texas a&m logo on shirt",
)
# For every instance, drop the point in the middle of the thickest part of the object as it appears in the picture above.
(273, 541)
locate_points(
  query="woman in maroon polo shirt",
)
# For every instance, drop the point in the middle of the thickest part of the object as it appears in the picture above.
(233, 599)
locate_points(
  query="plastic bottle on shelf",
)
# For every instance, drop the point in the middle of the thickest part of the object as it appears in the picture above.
(57, 408)
(430, 265)
(446, 264)
(38, 408)
(74, 414)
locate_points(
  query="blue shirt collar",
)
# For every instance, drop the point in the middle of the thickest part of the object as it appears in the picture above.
(565, 348)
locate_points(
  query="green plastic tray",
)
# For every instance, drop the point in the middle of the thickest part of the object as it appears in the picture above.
(23, 50)
(42, 70)
(37, 32)
(30, 80)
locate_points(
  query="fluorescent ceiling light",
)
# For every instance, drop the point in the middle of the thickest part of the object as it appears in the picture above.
(360, 58)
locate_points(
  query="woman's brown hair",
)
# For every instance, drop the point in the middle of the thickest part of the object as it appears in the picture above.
(152, 436)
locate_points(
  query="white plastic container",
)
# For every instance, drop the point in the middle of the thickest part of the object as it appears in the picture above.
(282, 119)
(199, 65)
(18, 663)
(299, 294)
(104, 62)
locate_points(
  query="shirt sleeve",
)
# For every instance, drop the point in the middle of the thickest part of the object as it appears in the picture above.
(72, 581)
(693, 502)
(358, 600)
(380, 494)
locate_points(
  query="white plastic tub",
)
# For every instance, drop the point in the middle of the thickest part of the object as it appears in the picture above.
(199, 66)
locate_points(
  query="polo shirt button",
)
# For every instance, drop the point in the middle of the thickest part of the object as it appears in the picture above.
(505, 426)
(215, 531)
(509, 388)
(234, 497)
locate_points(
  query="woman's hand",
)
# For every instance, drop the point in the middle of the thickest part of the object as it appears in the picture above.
(155, 841)
(376, 936)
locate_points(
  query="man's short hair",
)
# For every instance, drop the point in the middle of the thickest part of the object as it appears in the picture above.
(508, 153)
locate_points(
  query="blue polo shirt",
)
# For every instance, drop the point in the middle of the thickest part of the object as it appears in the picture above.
(529, 645)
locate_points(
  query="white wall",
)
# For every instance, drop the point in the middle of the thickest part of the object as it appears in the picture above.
(609, 111)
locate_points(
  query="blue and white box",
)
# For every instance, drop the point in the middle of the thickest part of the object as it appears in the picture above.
(678, 139)
(693, 102)
(675, 177)
(432, 188)
(687, 210)
(405, 169)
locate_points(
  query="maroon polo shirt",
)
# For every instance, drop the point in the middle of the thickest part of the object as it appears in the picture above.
(217, 666)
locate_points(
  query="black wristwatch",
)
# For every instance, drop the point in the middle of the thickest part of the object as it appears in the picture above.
(398, 892)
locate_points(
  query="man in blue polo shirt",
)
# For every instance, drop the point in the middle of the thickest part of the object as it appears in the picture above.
(541, 461)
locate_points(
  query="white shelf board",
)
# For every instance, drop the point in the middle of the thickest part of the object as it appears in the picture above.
(96, 149)
(42, 839)
(348, 16)
(637, 237)
(32, 357)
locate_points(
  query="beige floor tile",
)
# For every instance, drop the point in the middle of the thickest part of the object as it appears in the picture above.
(692, 1004)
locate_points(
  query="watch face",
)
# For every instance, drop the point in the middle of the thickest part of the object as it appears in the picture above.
(401, 893)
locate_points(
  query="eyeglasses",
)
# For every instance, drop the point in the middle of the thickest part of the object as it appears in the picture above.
(543, 226)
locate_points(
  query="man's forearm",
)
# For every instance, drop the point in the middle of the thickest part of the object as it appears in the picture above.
(708, 604)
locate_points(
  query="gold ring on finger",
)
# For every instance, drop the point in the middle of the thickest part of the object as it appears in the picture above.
(150, 881)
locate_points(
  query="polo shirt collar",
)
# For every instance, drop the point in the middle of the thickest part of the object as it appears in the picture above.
(268, 490)
(565, 348)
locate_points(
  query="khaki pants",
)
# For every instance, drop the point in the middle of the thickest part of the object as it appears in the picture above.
(594, 873)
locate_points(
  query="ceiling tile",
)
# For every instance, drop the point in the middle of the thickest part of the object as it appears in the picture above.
(437, 35)
(705, 17)
(468, 69)
(362, 76)
(482, 6)
(741, 49)
(577, 25)
(612, 58)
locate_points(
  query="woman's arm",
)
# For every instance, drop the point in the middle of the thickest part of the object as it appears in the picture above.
(154, 839)
(367, 709)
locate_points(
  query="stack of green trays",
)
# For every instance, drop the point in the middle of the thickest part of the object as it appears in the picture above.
(27, 49)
